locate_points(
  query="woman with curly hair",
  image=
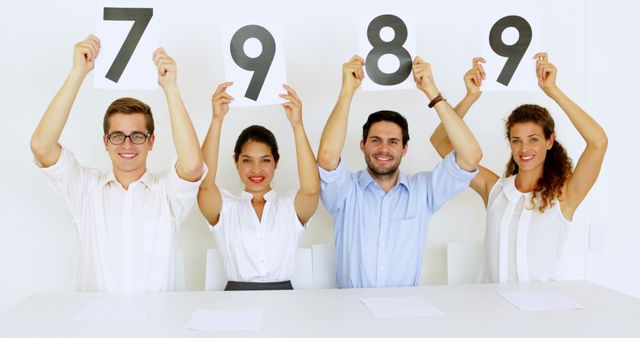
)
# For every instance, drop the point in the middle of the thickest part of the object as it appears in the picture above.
(530, 209)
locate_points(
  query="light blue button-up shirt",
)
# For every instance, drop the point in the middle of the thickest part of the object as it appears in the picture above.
(380, 237)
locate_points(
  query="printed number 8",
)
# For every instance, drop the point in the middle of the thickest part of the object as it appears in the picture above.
(393, 47)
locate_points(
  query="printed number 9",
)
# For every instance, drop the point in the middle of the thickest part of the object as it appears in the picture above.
(393, 47)
(260, 64)
(515, 52)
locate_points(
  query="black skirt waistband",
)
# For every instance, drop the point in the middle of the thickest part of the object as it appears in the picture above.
(248, 286)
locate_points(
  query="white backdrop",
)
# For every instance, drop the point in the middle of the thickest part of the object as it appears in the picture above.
(590, 43)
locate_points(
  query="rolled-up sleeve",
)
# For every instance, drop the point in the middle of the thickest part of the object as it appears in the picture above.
(182, 193)
(447, 181)
(333, 187)
(70, 180)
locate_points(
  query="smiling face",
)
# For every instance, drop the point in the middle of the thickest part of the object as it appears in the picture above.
(529, 146)
(128, 158)
(256, 166)
(383, 149)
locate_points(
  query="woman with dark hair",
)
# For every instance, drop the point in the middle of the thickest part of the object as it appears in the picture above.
(258, 231)
(530, 209)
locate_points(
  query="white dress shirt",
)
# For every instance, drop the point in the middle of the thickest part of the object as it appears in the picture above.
(258, 250)
(521, 243)
(128, 238)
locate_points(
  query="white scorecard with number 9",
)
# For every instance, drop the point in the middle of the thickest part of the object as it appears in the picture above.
(388, 45)
(254, 61)
(128, 33)
(509, 43)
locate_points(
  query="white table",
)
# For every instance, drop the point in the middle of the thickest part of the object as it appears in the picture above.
(471, 311)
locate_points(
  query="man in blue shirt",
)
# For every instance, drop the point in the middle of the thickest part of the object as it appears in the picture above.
(380, 214)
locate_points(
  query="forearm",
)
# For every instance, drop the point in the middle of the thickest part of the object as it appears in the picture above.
(334, 133)
(468, 151)
(184, 137)
(307, 169)
(44, 141)
(439, 138)
(210, 151)
(589, 129)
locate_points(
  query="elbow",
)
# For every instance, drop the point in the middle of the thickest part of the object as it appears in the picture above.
(602, 142)
(38, 146)
(327, 161)
(433, 141)
(192, 172)
(472, 160)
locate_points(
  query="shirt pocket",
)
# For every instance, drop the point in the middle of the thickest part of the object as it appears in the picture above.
(157, 236)
(408, 244)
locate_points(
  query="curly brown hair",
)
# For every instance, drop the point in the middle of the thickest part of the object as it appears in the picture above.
(557, 164)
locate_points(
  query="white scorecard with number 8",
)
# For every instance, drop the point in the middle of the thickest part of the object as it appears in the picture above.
(509, 43)
(254, 61)
(388, 44)
(128, 33)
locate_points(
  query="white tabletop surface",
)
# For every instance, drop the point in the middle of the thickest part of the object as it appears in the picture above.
(470, 311)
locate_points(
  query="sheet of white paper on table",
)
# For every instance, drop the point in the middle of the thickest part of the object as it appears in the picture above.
(541, 301)
(401, 307)
(114, 309)
(225, 320)
(140, 72)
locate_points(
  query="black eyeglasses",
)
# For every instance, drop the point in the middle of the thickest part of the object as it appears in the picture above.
(137, 137)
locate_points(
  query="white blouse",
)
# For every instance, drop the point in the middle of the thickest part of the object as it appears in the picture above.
(521, 243)
(258, 250)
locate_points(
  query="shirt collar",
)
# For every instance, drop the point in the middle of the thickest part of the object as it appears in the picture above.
(365, 179)
(269, 196)
(144, 179)
(510, 189)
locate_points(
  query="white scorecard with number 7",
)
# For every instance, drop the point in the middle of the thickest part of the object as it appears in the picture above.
(128, 33)
(254, 61)
(510, 41)
(388, 45)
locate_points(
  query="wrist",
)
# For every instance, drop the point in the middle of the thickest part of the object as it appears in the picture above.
(554, 93)
(472, 96)
(437, 99)
(170, 89)
(431, 92)
(347, 93)
(78, 73)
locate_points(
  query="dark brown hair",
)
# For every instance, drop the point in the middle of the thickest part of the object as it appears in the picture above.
(557, 164)
(388, 116)
(258, 134)
(128, 105)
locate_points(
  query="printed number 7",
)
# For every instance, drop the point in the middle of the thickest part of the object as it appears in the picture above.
(140, 18)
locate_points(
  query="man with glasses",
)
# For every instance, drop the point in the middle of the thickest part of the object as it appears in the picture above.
(128, 219)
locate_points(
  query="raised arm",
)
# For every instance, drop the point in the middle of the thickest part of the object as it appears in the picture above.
(588, 167)
(472, 81)
(44, 141)
(485, 179)
(335, 131)
(468, 152)
(190, 165)
(306, 201)
(209, 198)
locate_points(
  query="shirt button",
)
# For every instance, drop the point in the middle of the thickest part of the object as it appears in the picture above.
(383, 244)
(382, 268)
